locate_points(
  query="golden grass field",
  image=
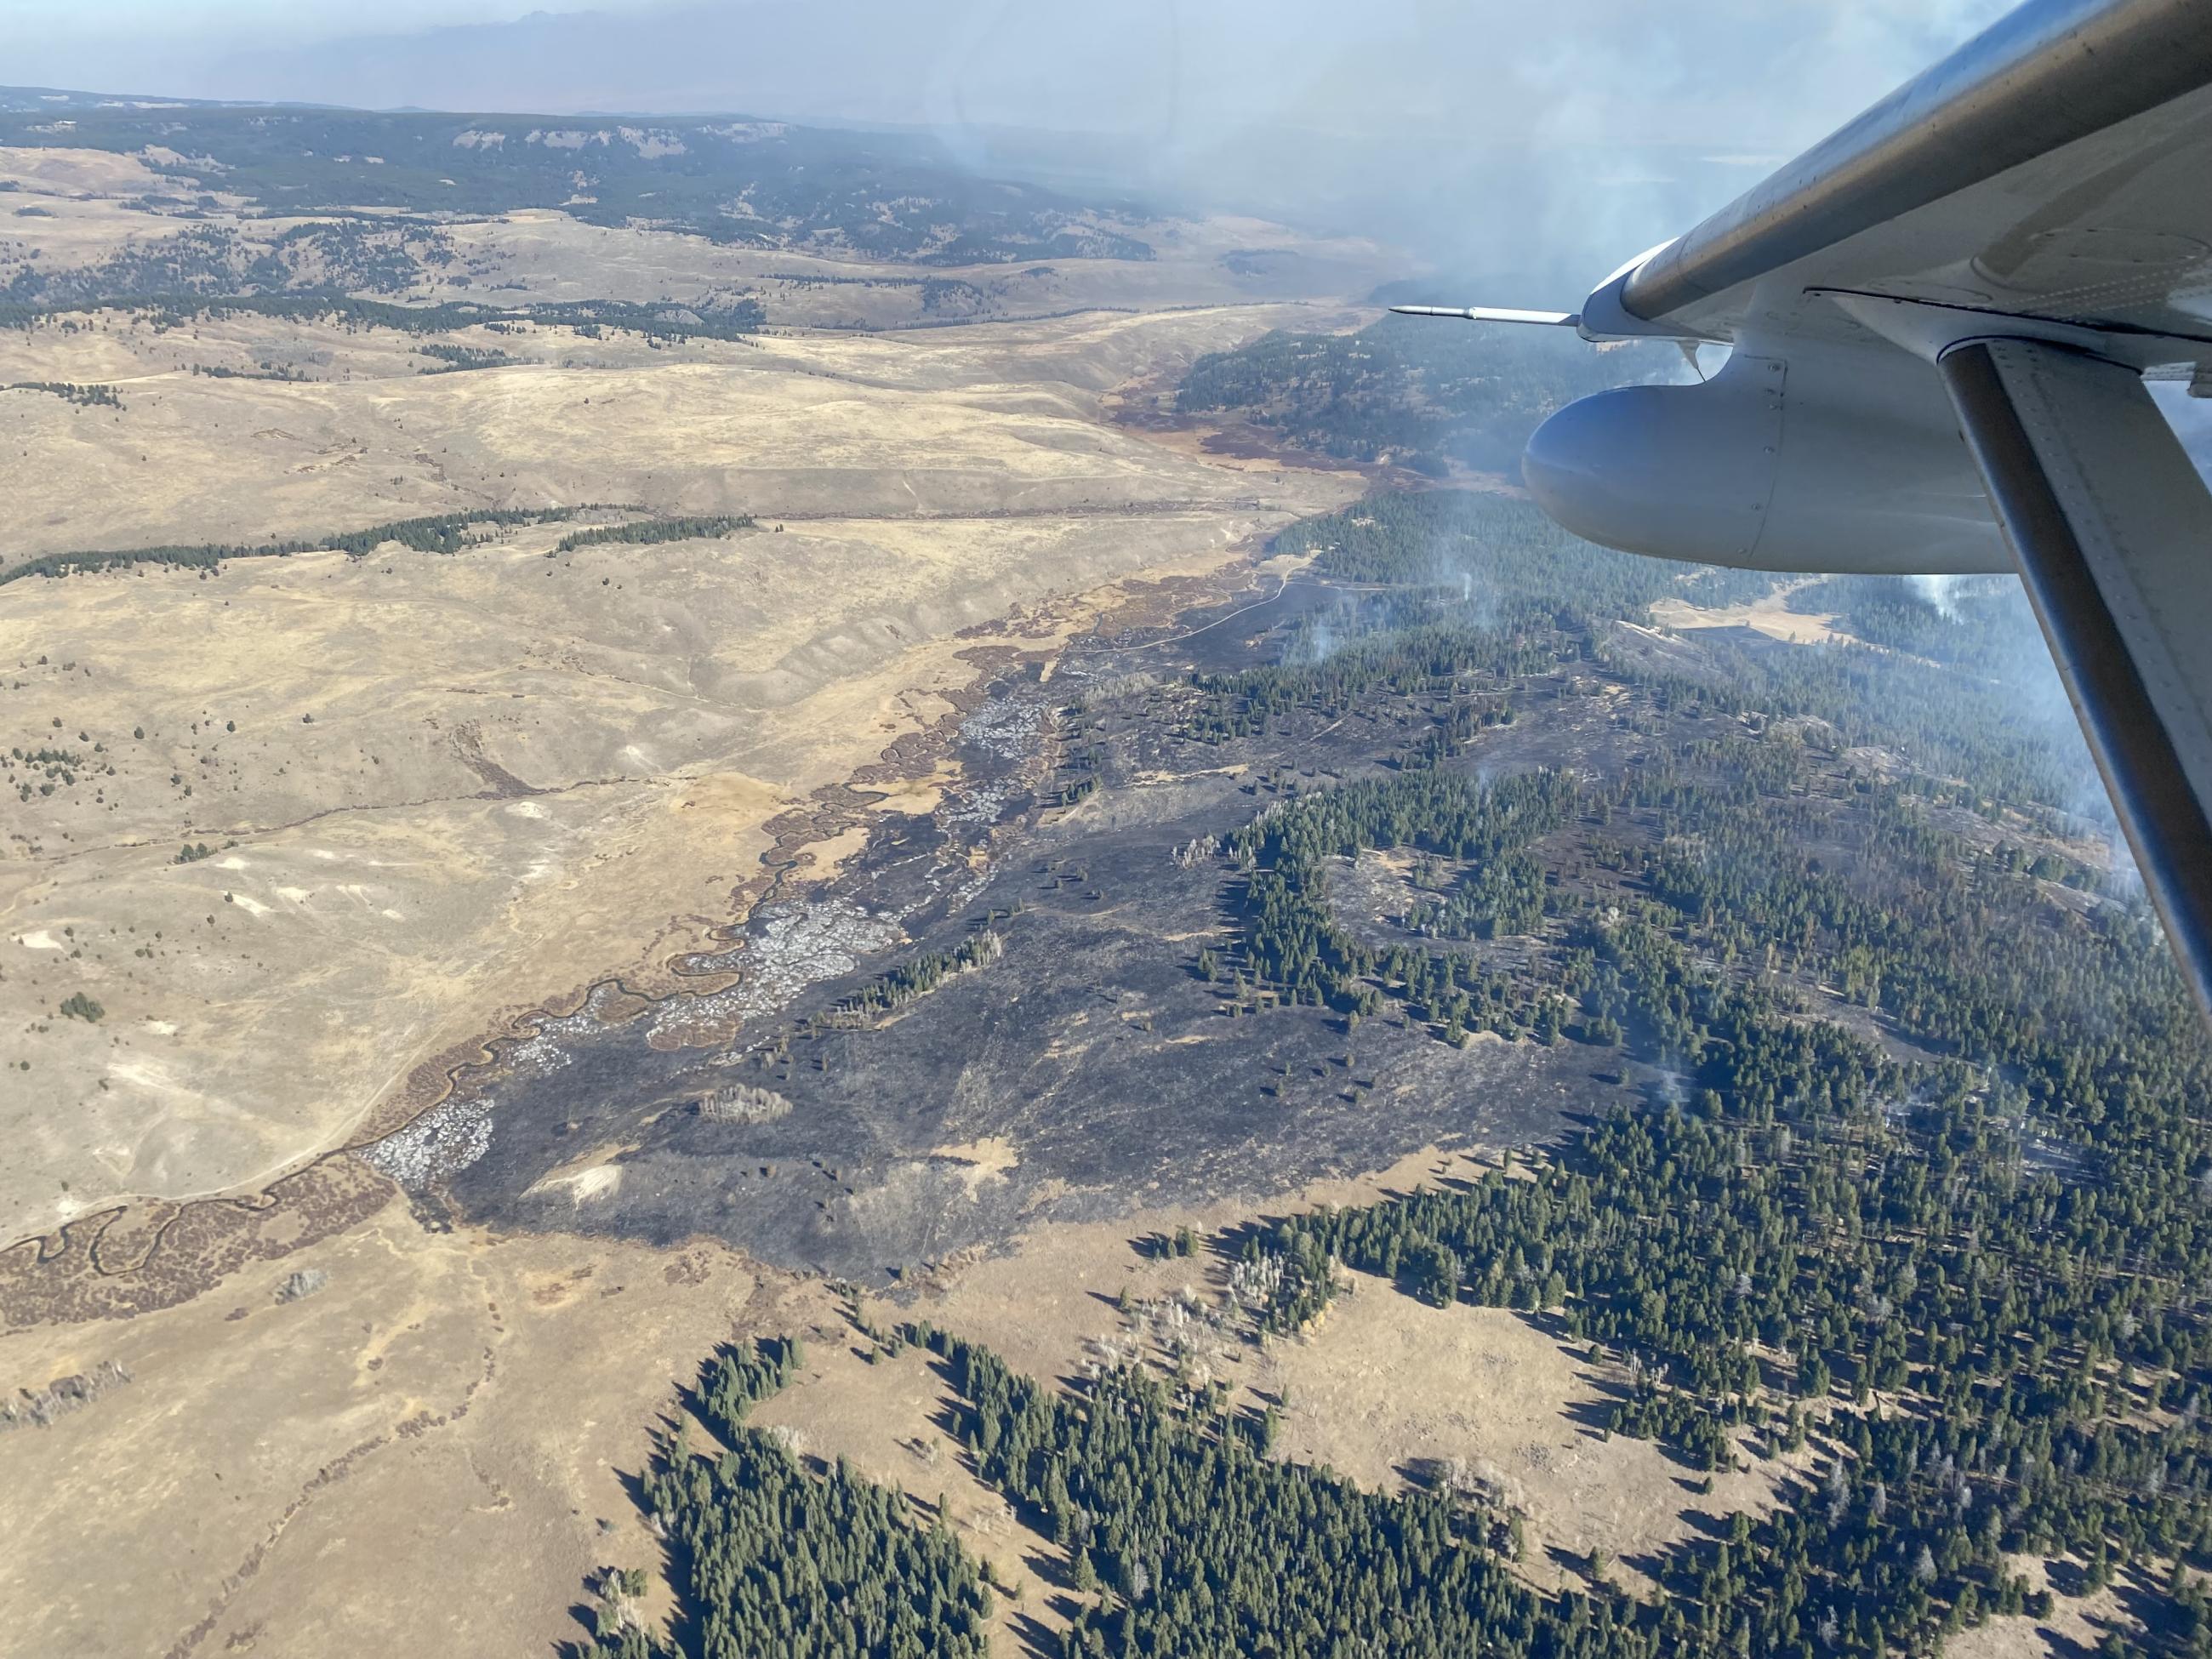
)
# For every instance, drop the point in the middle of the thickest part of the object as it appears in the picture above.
(352, 739)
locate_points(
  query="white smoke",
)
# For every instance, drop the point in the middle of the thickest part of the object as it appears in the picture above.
(1941, 593)
(1319, 642)
(1454, 568)
(2035, 696)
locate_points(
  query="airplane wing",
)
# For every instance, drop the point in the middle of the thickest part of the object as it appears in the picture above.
(1941, 319)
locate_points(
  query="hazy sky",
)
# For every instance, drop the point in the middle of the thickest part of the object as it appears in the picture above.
(1579, 131)
(1690, 70)
(232, 23)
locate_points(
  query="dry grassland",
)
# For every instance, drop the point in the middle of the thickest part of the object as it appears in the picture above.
(418, 1456)
(437, 788)
(1389, 1388)
(433, 1450)
(1769, 614)
(1384, 1389)
(957, 422)
(548, 256)
(1385, 1385)
(85, 211)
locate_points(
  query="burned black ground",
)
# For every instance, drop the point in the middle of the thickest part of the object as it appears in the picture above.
(1089, 1067)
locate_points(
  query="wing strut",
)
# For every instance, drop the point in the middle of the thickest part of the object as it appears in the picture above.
(2112, 531)
(1493, 315)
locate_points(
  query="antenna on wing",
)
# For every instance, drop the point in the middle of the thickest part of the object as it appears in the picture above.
(1493, 315)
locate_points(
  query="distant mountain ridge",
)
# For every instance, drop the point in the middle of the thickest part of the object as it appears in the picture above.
(731, 179)
(62, 99)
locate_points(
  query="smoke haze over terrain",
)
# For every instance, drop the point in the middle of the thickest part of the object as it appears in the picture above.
(1487, 140)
